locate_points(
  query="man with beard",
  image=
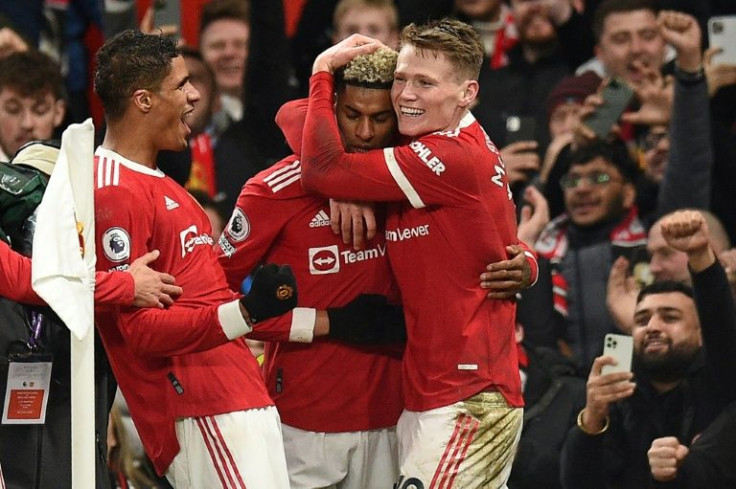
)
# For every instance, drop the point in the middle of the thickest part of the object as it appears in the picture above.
(685, 376)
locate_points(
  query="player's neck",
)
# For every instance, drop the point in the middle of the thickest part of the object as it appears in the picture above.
(131, 145)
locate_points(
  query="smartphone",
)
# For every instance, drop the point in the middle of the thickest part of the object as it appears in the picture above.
(722, 34)
(621, 348)
(616, 97)
(520, 128)
(638, 257)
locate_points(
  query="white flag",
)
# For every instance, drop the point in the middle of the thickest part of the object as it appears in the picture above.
(62, 276)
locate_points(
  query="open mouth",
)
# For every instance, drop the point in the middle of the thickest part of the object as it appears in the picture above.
(411, 112)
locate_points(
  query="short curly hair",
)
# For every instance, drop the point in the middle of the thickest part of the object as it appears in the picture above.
(128, 62)
(456, 40)
(375, 70)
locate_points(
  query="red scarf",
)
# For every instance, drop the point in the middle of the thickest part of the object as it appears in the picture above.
(553, 245)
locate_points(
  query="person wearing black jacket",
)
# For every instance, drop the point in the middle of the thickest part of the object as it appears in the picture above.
(684, 365)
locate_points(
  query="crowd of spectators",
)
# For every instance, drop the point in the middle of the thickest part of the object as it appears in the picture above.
(631, 227)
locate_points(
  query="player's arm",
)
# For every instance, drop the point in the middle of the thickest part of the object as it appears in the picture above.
(326, 168)
(369, 319)
(15, 277)
(180, 330)
(252, 229)
(290, 118)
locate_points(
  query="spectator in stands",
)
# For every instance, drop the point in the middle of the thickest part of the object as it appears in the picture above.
(576, 251)
(224, 36)
(665, 263)
(32, 104)
(494, 23)
(708, 462)
(378, 19)
(553, 397)
(684, 368)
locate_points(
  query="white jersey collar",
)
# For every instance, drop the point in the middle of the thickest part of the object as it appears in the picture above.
(108, 153)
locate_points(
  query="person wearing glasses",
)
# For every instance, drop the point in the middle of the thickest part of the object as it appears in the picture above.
(567, 308)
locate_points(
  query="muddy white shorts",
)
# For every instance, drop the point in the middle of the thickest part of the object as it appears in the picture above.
(230, 451)
(469, 444)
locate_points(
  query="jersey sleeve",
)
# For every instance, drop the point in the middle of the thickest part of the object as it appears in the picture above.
(531, 259)
(15, 277)
(123, 234)
(114, 289)
(439, 168)
(252, 229)
(290, 119)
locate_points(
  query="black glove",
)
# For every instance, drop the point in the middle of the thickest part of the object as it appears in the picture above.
(272, 293)
(367, 320)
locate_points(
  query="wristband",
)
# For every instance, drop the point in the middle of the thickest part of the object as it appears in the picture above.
(689, 77)
(587, 431)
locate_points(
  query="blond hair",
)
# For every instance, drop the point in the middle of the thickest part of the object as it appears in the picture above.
(456, 40)
(375, 70)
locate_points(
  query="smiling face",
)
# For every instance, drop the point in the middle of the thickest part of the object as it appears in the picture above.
(224, 47)
(172, 105)
(666, 334)
(365, 117)
(628, 37)
(429, 94)
(594, 200)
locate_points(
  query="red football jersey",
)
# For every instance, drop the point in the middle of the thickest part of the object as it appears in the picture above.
(176, 362)
(326, 386)
(452, 214)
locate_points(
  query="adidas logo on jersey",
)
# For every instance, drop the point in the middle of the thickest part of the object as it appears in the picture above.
(170, 203)
(321, 219)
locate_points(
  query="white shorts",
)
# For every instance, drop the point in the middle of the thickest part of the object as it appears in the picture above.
(230, 451)
(469, 444)
(352, 460)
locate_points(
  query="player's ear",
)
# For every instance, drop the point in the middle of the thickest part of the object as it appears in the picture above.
(468, 92)
(142, 99)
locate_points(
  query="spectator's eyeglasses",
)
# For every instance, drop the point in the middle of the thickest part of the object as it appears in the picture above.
(597, 178)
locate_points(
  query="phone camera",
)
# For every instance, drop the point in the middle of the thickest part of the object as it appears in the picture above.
(513, 123)
(717, 27)
(611, 343)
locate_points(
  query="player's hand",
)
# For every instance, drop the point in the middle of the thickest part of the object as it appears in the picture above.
(687, 231)
(665, 457)
(367, 320)
(152, 288)
(520, 160)
(602, 391)
(682, 32)
(534, 216)
(621, 293)
(272, 293)
(505, 278)
(717, 75)
(343, 52)
(355, 221)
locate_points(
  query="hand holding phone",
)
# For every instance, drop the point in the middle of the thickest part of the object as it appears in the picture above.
(620, 348)
(616, 97)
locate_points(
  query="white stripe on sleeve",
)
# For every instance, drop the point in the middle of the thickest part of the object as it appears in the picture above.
(401, 180)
